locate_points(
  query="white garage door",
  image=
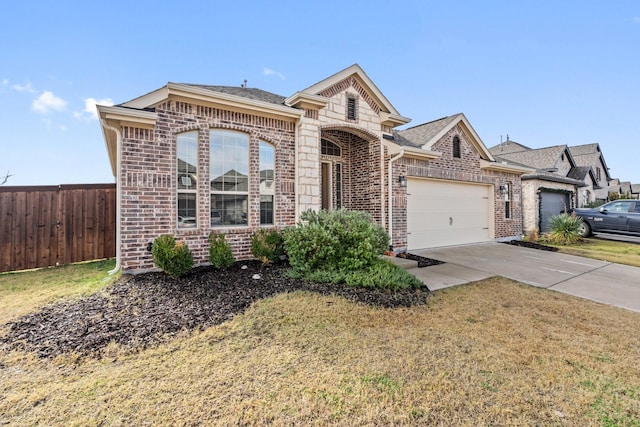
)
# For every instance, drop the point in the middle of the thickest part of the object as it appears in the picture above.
(444, 213)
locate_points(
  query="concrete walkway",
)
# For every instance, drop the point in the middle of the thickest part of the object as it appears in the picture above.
(601, 281)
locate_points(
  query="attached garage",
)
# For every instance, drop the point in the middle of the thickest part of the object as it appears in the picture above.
(445, 213)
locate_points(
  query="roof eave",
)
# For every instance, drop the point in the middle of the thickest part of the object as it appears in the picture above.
(306, 100)
(504, 167)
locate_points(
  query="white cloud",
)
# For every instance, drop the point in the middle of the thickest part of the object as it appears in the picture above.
(636, 19)
(23, 88)
(268, 72)
(51, 125)
(90, 111)
(48, 102)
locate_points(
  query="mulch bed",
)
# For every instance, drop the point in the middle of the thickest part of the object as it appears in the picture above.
(143, 310)
(531, 245)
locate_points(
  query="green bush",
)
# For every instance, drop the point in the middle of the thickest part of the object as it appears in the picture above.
(174, 258)
(334, 240)
(564, 229)
(220, 253)
(343, 247)
(267, 245)
(383, 275)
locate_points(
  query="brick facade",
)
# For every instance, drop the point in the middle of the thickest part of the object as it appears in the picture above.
(148, 174)
(149, 194)
(464, 169)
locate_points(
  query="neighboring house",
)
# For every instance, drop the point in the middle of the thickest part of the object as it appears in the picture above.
(234, 159)
(614, 188)
(555, 185)
(586, 195)
(590, 155)
(635, 191)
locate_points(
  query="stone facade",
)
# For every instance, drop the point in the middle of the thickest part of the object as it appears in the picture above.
(531, 200)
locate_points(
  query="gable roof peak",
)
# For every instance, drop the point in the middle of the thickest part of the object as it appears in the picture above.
(369, 86)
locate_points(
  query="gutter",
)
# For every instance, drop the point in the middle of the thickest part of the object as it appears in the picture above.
(118, 194)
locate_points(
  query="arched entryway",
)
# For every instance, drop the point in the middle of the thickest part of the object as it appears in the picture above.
(351, 170)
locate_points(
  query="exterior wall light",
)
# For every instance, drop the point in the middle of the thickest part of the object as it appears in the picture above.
(504, 189)
(402, 180)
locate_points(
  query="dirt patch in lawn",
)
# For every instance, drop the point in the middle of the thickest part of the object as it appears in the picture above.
(142, 310)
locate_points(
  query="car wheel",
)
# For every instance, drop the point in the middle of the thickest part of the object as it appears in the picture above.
(585, 229)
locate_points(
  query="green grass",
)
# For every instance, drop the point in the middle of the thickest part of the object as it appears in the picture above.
(529, 357)
(604, 250)
(22, 292)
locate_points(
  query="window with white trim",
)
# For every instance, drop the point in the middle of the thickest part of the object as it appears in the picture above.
(507, 200)
(187, 179)
(267, 184)
(229, 177)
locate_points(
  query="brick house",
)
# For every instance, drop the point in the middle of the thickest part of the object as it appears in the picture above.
(190, 160)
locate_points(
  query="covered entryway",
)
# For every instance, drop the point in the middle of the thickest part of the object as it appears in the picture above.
(444, 213)
(551, 204)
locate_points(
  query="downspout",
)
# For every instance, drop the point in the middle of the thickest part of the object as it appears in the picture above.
(118, 194)
(296, 170)
(382, 206)
(393, 159)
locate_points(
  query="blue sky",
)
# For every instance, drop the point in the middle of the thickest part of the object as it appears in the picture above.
(543, 72)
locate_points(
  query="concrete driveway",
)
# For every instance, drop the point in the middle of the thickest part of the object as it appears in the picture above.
(600, 281)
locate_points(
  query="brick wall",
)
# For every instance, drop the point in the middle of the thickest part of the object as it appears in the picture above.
(149, 197)
(465, 169)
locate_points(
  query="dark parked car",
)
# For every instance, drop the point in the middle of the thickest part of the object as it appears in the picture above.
(617, 217)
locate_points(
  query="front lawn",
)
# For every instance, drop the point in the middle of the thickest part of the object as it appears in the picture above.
(493, 352)
(605, 250)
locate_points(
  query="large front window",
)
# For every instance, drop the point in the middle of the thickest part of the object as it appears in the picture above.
(187, 179)
(229, 175)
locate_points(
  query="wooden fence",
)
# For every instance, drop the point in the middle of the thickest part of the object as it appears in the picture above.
(54, 225)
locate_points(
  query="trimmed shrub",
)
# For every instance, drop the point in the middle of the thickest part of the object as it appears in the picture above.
(174, 258)
(334, 240)
(565, 229)
(220, 253)
(267, 245)
(383, 275)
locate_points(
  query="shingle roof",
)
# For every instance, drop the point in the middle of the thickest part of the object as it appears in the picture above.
(245, 92)
(508, 147)
(417, 136)
(581, 150)
(548, 176)
(579, 172)
(635, 188)
(541, 158)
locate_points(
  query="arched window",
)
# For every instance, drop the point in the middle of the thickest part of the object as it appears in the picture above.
(329, 148)
(229, 175)
(186, 179)
(456, 147)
